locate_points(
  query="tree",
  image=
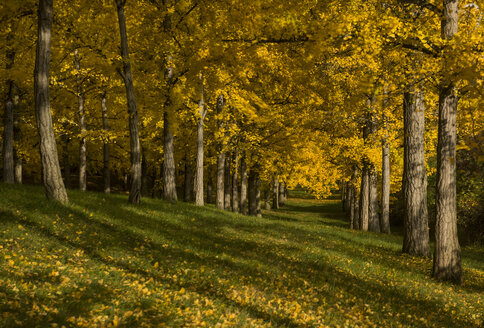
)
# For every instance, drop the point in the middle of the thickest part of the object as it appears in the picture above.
(51, 173)
(447, 257)
(199, 169)
(135, 190)
(415, 232)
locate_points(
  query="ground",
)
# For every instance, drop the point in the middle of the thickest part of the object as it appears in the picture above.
(100, 261)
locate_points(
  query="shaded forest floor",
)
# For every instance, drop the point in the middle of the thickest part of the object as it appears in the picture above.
(102, 262)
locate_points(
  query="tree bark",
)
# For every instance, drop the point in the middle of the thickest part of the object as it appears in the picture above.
(282, 194)
(373, 216)
(51, 173)
(8, 137)
(447, 257)
(228, 184)
(385, 177)
(364, 199)
(353, 201)
(135, 190)
(254, 192)
(106, 147)
(416, 234)
(220, 201)
(356, 211)
(243, 185)
(209, 189)
(169, 170)
(199, 169)
(235, 189)
(275, 193)
(82, 125)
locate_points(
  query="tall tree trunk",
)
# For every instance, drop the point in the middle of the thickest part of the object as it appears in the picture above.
(243, 185)
(235, 189)
(353, 203)
(228, 184)
(169, 170)
(106, 150)
(187, 194)
(275, 194)
(349, 201)
(268, 196)
(364, 205)
(67, 164)
(447, 257)
(8, 137)
(385, 183)
(51, 173)
(82, 125)
(220, 201)
(135, 190)
(415, 220)
(17, 137)
(199, 169)
(144, 174)
(282, 194)
(254, 192)
(356, 211)
(373, 216)
(344, 195)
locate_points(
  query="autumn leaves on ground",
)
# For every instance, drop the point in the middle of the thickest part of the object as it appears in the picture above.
(100, 261)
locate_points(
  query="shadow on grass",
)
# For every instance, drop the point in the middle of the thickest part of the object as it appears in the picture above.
(204, 236)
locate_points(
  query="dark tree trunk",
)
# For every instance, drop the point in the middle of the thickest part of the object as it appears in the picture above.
(235, 189)
(282, 194)
(243, 185)
(385, 176)
(344, 195)
(8, 137)
(144, 174)
(373, 216)
(51, 172)
(228, 184)
(268, 196)
(275, 194)
(447, 257)
(187, 194)
(169, 170)
(17, 137)
(416, 234)
(254, 192)
(354, 213)
(106, 150)
(82, 126)
(135, 190)
(67, 164)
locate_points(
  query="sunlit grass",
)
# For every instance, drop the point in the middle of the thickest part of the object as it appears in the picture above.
(102, 262)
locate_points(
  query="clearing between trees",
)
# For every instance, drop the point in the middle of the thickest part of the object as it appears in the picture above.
(100, 261)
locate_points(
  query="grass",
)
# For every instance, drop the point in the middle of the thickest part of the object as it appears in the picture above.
(102, 262)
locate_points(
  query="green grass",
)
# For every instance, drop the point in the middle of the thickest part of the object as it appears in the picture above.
(102, 262)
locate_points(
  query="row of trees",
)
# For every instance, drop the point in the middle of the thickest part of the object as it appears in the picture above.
(231, 98)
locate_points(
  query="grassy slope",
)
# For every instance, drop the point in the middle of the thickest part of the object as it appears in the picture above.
(102, 262)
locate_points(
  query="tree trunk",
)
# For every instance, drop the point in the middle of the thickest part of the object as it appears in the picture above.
(169, 170)
(243, 185)
(385, 177)
(356, 210)
(282, 194)
(254, 193)
(82, 125)
(67, 164)
(51, 173)
(447, 257)
(144, 174)
(268, 196)
(235, 189)
(199, 169)
(349, 201)
(135, 190)
(415, 220)
(228, 185)
(220, 201)
(373, 216)
(17, 137)
(106, 150)
(344, 196)
(275, 194)
(354, 200)
(8, 137)
(187, 194)
(364, 199)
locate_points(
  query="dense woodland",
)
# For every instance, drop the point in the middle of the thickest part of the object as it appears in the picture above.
(235, 102)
